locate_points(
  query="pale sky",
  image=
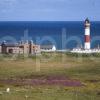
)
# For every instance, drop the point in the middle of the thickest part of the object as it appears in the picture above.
(49, 10)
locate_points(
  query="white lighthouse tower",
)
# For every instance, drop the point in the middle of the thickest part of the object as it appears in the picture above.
(87, 35)
(87, 41)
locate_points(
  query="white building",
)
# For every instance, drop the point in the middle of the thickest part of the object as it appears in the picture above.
(48, 48)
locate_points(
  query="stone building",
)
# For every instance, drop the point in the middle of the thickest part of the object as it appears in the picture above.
(27, 47)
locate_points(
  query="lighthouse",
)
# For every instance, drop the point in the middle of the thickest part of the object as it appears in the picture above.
(87, 41)
(87, 35)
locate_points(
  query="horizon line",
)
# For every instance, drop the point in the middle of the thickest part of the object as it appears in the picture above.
(47, 20)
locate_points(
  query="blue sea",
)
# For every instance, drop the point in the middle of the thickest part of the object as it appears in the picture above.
(62, 34)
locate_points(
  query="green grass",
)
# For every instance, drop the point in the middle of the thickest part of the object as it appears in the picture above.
(49, 93)
(83, 68)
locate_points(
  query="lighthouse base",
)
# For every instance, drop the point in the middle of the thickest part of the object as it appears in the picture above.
(87, 46)
(85, 50)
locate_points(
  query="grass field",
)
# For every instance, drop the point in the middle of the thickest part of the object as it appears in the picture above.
(84, 69)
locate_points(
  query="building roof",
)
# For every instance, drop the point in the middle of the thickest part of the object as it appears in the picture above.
(46, 46)
(11, 45)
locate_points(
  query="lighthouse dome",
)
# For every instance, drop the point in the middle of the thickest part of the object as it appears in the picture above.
(87, 20)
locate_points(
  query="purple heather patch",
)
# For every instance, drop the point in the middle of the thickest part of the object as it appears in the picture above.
(50, 80)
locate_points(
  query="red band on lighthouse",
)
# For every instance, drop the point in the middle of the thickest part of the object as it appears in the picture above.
(87, 38)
